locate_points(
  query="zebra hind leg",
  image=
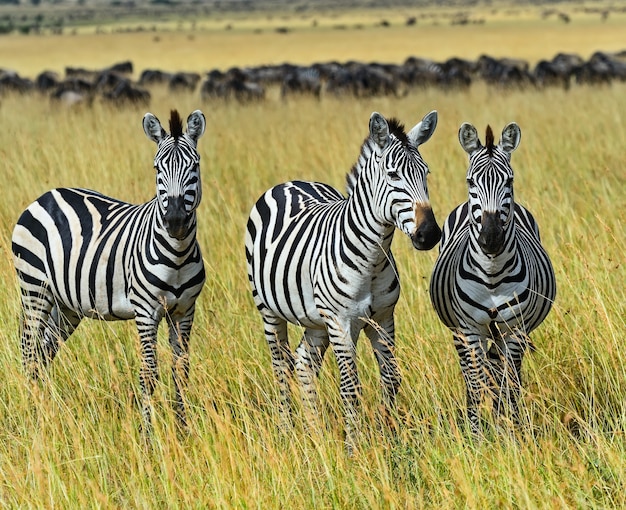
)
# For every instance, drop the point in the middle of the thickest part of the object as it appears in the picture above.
(282, 362)
(308, 362)
(61, 323)
(36, 307)
(179, 332)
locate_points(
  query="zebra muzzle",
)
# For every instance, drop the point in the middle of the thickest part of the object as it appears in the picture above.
(491, 237)
(176, 219)
(427, 234)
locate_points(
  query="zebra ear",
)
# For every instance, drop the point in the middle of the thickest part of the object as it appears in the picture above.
(196, 124)
(511, 136)
(152, 128)
(468, 136)
(379, 129)
(422, 132)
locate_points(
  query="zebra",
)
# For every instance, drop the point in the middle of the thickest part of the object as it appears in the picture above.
(80, 254)
(323, 261)
(493, 282)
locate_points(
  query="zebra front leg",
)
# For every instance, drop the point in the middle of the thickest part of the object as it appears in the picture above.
(148, 375)
(179, 333)
(472, 357)
(343, 340)
(382, 338)
(308, 362)
(282, 363)
(507, 372)
(497, 371)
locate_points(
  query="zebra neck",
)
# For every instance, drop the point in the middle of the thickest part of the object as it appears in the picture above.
(160, 238)
(493, 265)
(362, 221)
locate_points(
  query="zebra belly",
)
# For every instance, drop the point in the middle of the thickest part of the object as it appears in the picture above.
(500, 302)
(110, 300)
(474, 306)
(290, 296)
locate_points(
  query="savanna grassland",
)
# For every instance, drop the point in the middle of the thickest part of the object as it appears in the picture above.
(74, 441)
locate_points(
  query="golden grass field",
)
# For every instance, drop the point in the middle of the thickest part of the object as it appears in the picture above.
(73, 442)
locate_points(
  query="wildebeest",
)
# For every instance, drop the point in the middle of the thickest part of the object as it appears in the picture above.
(558, 71)
(184, 82)
(47, 80)
(301, 81)
(10, 81)
(154, 77)
(601, 68)
(127, 93)
(504, 72)
(236, 84)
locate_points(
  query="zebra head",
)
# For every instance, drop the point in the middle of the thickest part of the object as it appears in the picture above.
(490, 183)
(404, 192)
(177, 164)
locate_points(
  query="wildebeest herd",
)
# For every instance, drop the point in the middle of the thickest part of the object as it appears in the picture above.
(116, 85)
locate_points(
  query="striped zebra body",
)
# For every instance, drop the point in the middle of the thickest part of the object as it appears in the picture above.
(323, 261)
(493, 282)
(81, 254)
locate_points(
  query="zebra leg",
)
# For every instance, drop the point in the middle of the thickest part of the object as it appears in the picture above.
(282, 362)
(509, 372)
(61, 323)
(36, 307)
(179, 332)
(497, 375)
(343, 338)
(308, 362)
(472, 356)
(382, 338)
(148, 375)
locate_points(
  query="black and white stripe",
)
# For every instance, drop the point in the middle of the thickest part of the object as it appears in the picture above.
(81, 254)
(323, 261)
(493, 282)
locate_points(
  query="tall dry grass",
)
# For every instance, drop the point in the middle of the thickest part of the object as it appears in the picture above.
(73, 442)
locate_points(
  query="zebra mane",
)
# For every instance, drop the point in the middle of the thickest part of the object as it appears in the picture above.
(176, 124)
(489, 140)
(396, 128)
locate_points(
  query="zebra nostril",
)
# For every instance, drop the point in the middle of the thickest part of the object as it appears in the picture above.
(426, 236)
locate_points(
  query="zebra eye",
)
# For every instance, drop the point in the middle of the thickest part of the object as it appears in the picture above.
(471, 183)
(509, 182)
(393, 176)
